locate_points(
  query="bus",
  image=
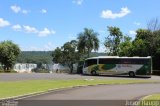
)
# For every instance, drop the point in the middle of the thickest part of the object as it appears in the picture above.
(115, 65)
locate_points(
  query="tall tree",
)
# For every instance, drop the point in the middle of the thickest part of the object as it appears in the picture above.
(67, 54)
(57, 55)
(113, 40)
(8, 54)
(153, 25)
(125, 46)
(139, 48)
(71, 56)
(149, 38)
(88, 41)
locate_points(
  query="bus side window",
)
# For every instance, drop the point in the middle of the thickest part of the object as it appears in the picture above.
(91, 62)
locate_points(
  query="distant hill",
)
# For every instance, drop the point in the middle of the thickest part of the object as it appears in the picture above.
(42, 56)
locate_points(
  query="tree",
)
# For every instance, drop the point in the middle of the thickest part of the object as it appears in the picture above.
(57, 55)
(71, 56)
(154, 39)
(112, 42)
(139, 48)
(125, 46)
(8, 54)
(150, 41)
(67, 54)
(153, 25)
(88, 41)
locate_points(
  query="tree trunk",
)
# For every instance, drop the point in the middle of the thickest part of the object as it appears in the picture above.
(71, 68)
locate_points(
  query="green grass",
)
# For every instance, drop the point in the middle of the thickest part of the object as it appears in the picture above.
(16, 88)
(153, 100)
(152, 97)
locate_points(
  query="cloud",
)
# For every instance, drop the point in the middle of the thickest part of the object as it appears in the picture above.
(78, 2)
(4, 23)
(17, 9)
(25, 11)
(43, 11)
(108, 14)
(132, 32)
(30, 29)
(46, 32)
(137, 23)
(17, 27)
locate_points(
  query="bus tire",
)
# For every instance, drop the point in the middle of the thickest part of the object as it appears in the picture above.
(131, 74)
(93, 73)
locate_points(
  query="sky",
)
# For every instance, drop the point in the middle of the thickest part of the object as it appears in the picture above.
(43, 25)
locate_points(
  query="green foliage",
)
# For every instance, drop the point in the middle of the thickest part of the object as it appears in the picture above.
(88, 41)
(37, 57)
(40, 70)
(80, 67)
(7, 71)
(112, 42)
(146, 43)
(67, 54)
(8, 54)
(125, 46)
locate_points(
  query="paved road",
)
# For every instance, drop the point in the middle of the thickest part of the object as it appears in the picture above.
(41, 76)
(101, 95)
(102, 92)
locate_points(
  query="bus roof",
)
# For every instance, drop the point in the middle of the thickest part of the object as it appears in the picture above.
(117, 57)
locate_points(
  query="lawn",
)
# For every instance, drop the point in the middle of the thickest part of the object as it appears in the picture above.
(17, 88)
(152, 97)
(151, 100)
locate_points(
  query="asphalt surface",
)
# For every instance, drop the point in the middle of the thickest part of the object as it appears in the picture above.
(102, 92)
(101, 95)
(45, 76)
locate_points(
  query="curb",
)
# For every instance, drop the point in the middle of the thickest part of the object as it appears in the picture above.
(66, 88)
(44, 92)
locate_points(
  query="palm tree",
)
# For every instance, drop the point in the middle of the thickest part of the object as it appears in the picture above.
(88, 41)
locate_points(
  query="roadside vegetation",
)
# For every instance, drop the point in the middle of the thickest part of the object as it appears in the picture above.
(8, 55)
(152, 97)
(146, 43)
(151, 100)
(17, 88)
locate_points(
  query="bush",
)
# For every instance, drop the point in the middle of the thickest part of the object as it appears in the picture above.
(40, 70)
(8, 71)
(80, 67)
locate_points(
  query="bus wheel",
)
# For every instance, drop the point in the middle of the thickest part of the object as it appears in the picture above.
(131, 74)
(93, 72)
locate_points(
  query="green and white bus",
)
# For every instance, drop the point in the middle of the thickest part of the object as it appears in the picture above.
(115, 65)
